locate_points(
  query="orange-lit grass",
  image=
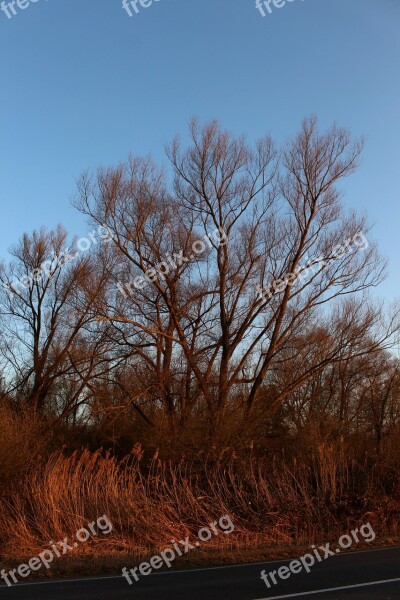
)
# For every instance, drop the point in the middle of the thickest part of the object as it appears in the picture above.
(270, 503)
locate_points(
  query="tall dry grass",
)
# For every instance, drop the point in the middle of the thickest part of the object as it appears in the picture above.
(24, 439)
(270, 502)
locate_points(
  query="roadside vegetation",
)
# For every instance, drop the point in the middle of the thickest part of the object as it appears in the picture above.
(191, 395)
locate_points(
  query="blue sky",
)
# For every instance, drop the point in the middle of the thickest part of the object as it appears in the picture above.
(83, 85)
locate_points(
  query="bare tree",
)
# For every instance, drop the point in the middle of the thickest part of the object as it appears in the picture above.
(202, 328)
(49, 332)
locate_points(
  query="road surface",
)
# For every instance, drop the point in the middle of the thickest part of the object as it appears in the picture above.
(370, 575)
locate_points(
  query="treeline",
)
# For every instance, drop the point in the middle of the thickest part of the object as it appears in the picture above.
(159, 333)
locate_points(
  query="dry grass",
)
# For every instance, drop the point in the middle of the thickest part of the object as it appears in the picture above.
(278, 505)
(272, 504)
(23, 438)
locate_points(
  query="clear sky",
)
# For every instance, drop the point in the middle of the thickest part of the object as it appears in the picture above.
(83, 84)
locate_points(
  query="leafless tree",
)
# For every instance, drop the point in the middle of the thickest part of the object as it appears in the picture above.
(49, 331)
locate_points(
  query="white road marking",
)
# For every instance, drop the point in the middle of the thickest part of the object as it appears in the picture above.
(336, 589)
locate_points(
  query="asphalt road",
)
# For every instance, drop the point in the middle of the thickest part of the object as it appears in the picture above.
(370, 575)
